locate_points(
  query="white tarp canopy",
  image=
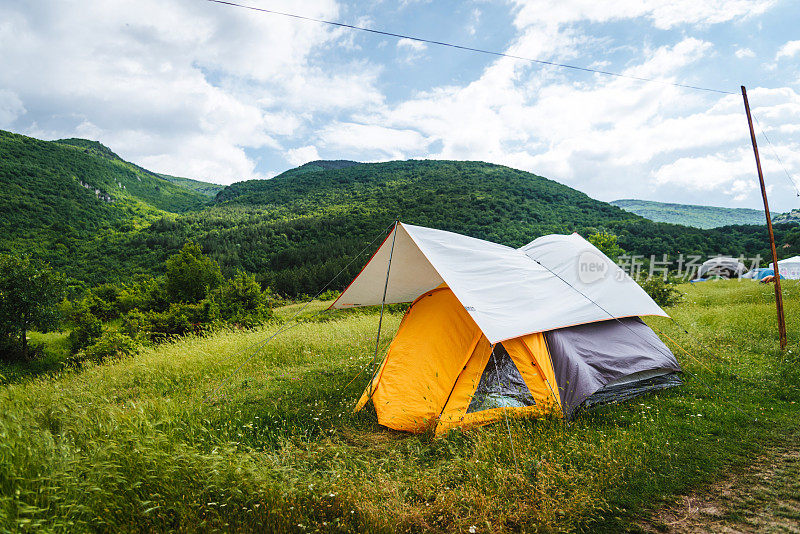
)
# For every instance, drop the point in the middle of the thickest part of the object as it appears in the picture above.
(552, 282)
(790, 268)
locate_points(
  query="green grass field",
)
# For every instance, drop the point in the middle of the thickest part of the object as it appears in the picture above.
(133, 445)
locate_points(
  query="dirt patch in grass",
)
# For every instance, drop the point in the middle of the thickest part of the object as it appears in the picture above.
(765, 497)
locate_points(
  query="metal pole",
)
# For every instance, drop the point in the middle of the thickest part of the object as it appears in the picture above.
(778, 294)
(383, 303)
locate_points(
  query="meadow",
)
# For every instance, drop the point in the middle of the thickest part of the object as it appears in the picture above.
(144, 444)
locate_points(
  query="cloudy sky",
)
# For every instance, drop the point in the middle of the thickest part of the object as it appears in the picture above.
(208, 91)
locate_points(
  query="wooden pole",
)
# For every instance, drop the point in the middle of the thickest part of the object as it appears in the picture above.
(778, 294)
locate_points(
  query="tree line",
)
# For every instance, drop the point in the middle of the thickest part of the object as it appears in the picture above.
(193, 296)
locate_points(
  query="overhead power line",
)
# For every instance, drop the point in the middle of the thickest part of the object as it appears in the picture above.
(775, 153)
(471, 49)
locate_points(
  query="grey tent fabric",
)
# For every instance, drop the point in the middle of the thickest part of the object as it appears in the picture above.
(587, 357)
(619, 392)
(501, 385)
(722, 266)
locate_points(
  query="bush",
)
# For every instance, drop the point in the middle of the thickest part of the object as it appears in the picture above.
(662, 291)
(241, 301)
(111, 344)
(147, 294)
(135, 324)
(181, 319)
(100, 308)
(86, 330)
(607, 244)
(108, 292)
(330, 294)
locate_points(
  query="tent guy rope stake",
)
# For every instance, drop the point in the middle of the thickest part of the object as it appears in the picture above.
(778, 294)
(383, 304)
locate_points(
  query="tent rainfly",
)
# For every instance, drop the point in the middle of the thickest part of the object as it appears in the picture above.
(548, 327)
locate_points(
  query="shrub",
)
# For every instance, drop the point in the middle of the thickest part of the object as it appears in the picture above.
(241, 301)
(111, 344)
(181, 319)
(135, 324)
(99, 307)
(146, 294)
(606, 243)
(330, 294)
(86, 330)
(108, 292)
(662, 291)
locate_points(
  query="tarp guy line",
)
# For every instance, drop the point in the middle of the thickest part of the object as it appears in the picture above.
(293, 317)
(383, 304)
(643, 339)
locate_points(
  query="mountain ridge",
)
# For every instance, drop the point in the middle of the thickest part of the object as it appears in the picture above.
(58, 195)
(695, 215)
(296, 231)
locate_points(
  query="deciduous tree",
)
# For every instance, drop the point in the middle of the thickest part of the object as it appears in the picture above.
(29, 295)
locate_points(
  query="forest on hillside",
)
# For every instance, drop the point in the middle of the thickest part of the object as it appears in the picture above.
(298, 230)
(692, 215)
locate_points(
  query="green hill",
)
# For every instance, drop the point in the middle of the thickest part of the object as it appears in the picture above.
(58, 196)
(691, 215)
(299, 229)
(792, 217)
(204, 188)
(78, 205)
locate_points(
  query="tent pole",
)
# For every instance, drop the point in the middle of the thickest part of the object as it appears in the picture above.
(778, 294)
(383, 303)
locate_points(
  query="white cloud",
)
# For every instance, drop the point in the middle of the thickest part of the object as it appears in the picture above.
(663, 15)
(730, 172)
(667, 60)
(11, 107)
(411, 50)
(501, 117)
(789, 49)
(706, 173)
(385, 142)
(474, 21)
(184, 87)
(301, 155)
(742, 53)
(411, 44)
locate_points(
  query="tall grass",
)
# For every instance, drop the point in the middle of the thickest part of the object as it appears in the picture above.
(136, 445)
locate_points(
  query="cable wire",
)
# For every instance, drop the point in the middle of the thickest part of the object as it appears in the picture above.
(471, 49)
(775, 153)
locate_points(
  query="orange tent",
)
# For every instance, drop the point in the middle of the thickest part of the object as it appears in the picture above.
(494, 331)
